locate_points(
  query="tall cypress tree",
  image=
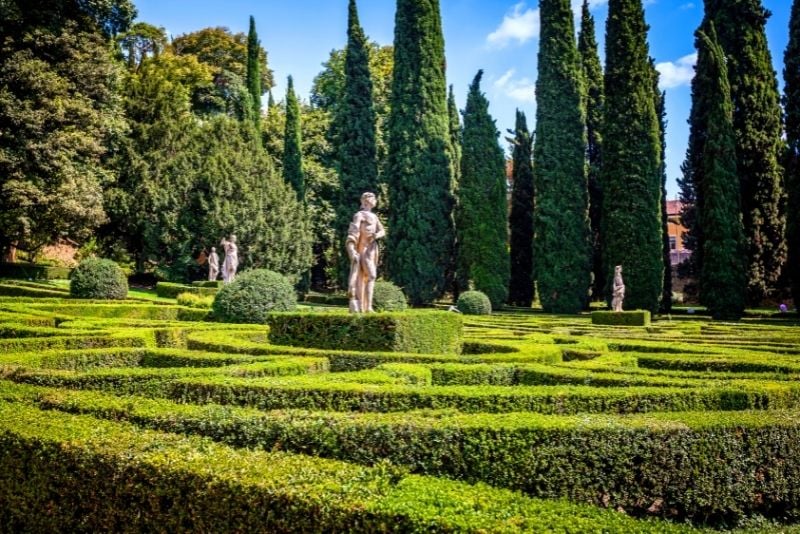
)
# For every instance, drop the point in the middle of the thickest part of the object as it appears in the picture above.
(419, 168)
(455, 131)
(661, 112)
(456, 277)
(791, 75)
(482, 223)
(355, 118)
(757, 120)
(595, 97)
(521, 292)
(254, 70)
(723, 278)
(562, 248)
(631, 218)
(292, 144)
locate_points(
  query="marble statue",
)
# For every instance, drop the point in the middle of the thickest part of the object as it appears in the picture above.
(618, 294)
(362, 249)
(231, 262)
(213, 265)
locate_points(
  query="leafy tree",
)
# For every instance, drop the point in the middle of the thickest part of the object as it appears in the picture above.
(631, 230)
(741, 25)
(481, 221)
(420, 168)
(58, 98)
(723, 278)
(521, 291)
(141, 41)
(661, 112)
(791, 75)
(593, 102)
(292, 144)
(254, 69)
(561, 215)
(355, 118)
(108, 17)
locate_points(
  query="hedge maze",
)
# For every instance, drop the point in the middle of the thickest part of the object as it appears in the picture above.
(138, 416)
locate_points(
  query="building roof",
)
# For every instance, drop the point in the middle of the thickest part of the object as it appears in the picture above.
(674, 207)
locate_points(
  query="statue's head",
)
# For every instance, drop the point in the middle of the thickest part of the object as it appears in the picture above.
(213, 249)
(368, 200)
(618, 269)
(232, 238)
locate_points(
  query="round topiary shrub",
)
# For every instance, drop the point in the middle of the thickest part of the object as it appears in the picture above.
(252, 296)
(474, 303)
(96, 278)
(388, 297)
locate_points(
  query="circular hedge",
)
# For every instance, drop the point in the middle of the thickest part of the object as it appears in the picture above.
(388, 297)
(474, 303)
(97, 278)
(252, 296)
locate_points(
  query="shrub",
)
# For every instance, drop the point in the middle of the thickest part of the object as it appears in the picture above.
(388, 297)
(97, 278)
(474, 303)
(171, 291)
(417, 332)
(196, 301)
(625, 318)
(252, 296)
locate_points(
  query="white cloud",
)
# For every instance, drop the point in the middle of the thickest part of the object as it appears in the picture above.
(522, 90)
(520, 25)
(677, 73)
(593, 4)
(687, 6)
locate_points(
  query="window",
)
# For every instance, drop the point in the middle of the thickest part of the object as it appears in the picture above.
(673, 242)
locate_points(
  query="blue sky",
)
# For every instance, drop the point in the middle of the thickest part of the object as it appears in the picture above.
(498, 36)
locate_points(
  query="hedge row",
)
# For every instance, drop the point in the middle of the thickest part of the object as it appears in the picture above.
(127, 311)
(32, 271)
(171, 291)
(675, 465)
(424, 332)
(67, 473)
(11, 290)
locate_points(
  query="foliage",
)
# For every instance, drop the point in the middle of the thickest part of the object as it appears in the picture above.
(59, 99)
(355, 136)
(481, 217)
(520, 221)
(170, 291)
(757, 123)
(141, 41)
(625, 318)
(292, 144)
(388, 297)
(791, 74)
(98, 278)
(661, 112)
(425, 332)
(108, 17)
(593, 104)
(724, 277)
(193, 300)
(474, 303)
(631, 230)
(419, 171)
(253, 296)
(253, 77)
(562, 246)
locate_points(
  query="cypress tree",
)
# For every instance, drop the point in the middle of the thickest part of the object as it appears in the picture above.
(661, 112)
(723, 278)
(456, 276)
(358, 167)
(757, 121)
(595, 97)
(292, 144)
(455, 132)
(419, 168)
(521, 291)
(482, 222)
(791, 75)
(254, 70)
(562, 248)
(631, 220)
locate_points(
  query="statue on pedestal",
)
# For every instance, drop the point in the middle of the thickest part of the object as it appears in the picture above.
(231, 262)
(618, 293)
(213, 265)
(362, 249)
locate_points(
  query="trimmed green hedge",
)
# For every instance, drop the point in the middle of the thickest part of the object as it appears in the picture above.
(677, 460)
(13, 290)
(170, 290)
(33, 271)
(624, 318)
(424, 332)
(98, 278)
(67, 473)
(208, 283)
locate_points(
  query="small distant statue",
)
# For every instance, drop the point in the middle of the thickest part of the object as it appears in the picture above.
(618, 294)
(213, 264)
(362, 249)
(231, 262)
